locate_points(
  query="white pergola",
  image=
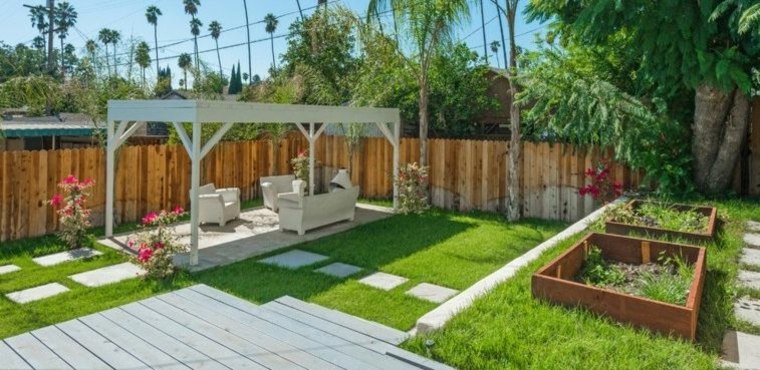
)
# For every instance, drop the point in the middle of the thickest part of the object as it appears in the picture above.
(125, 117)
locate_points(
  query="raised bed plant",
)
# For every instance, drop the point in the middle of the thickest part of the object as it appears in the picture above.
(653, 219)
(619, 276)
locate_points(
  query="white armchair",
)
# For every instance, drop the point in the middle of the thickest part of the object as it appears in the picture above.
(271, 186)
(218, 205)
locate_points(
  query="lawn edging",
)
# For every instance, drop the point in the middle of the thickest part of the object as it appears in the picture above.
(439, 316)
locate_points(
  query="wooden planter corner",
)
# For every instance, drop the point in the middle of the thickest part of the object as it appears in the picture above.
(613, 227)
(554, 283)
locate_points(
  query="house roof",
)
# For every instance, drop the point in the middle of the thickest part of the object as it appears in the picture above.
(64, 124)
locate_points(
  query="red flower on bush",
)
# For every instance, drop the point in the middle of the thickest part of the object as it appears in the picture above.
(73, 215)
(178, 210)
(150, 218)
(158, 242)
(56, 200)
(602, 187)
(144, 254)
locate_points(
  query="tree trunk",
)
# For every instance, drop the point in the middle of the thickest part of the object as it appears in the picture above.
(108, 63)
(719, 131)
(155, 40)
(271, 43)
(115, 65)
(248, 35)
(63, 61)
(219, 59)
(423, 113)
(514, 201)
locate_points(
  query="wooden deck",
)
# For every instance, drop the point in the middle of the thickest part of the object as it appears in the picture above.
(203, 328)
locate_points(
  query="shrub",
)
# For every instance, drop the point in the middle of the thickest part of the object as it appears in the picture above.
(601, 188)
(412, 183)
(157, 243)
(73, 214)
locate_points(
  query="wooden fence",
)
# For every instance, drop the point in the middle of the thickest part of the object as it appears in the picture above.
(464, 175)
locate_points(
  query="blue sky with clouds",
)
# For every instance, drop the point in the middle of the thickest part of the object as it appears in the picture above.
(128, 16)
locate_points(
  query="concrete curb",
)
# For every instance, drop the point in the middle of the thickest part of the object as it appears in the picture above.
(438, 317)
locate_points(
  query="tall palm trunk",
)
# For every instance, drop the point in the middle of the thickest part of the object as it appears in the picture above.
(271, 44)
(219, 58)
(155, 41)
(248, 34)
(483, 29)
(720, 130)
(108, 63)
(115, 65)
(143, 77)
(514, 202)
(63, 60)
(300, 11)
(423, 113)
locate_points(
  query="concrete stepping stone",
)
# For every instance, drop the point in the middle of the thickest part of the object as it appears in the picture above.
(750, 256)
(749, 279)
(753, 226)
(294, 259)
(7, 269)
(384, 281)
(339, 270)
(741, 350)
(752, 240)
(108, 275)
(748, 309)
(72, 255)
(37, 293)
(431, 292)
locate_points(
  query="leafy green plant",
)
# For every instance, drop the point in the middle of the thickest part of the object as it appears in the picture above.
(670, 287)
(661, 215)
(596, 271)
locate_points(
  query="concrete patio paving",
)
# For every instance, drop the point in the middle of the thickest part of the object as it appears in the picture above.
(255, 233)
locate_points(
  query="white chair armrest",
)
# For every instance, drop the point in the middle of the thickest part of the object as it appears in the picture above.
(290, 200)
(229, 194)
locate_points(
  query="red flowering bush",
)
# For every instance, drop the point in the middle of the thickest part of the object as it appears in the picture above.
(601, 188)
(157, 243)
(412, 183)
(73, 214)
(301, 165)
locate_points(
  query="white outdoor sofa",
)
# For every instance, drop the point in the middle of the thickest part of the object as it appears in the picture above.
(301, 213)
(218, 206)
(271, 186)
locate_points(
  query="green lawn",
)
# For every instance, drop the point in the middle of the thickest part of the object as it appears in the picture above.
(439, 247)
(507, 328)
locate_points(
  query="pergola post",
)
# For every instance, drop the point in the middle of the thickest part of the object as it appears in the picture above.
(396, 159)
(195, 181)
(312, 158)
(110, 168)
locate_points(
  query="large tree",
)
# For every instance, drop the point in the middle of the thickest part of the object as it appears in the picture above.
(185, 62)
(65, 18)
(195, 29)
(38, 16)
(191, 8)
(105, 37)
(152, 14)
(270, 25)
(698, 46)
(215, 28)
(142, 57)
(429, 24)
(514, 166)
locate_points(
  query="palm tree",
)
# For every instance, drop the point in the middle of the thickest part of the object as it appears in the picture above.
(152, 14)
(248, 33)
(376, 7)
(271, 26)
(495, 45)
(105, 37)
(39, 43)
(300, 11)
(483, 30)
(142, 57)
(191, 8)
(430, 24)
(115, 38)
(65, 18)
(38, 16)
(185, 62)
(215, 28)
(195, 29)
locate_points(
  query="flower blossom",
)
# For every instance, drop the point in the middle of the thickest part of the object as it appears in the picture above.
(56, 200)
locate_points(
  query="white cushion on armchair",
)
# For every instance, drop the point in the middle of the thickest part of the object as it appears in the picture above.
(218, 205)
(271, 186)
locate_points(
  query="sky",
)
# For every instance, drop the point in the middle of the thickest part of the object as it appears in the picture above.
(174, 38)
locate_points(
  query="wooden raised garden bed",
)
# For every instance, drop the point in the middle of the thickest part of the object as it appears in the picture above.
(556, 282)
(615, 227)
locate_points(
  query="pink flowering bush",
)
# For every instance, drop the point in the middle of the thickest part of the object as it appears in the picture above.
(301, 165)
(412, 183)
(601, 188)
(71, 207)
(157, 244)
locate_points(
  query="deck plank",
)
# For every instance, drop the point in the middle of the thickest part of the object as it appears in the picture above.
(230, 318)
(106, 350)
(167, 344)
(332, 337)
(11, 360)
(369, 328)
(210, 348)
(150, 355)
(36, 353)
(253, 345)
(68, 349)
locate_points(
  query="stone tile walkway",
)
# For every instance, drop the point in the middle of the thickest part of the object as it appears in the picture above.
(431, 292)
(741, 350)
(36, 293)
(294, 259)
(108, 275)
(752, 240)
(753, 226)
(384, 281)
(72, 255)
(749, 279)
(7, 269)
(750, 256)
(339, 270)
(748, 309)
